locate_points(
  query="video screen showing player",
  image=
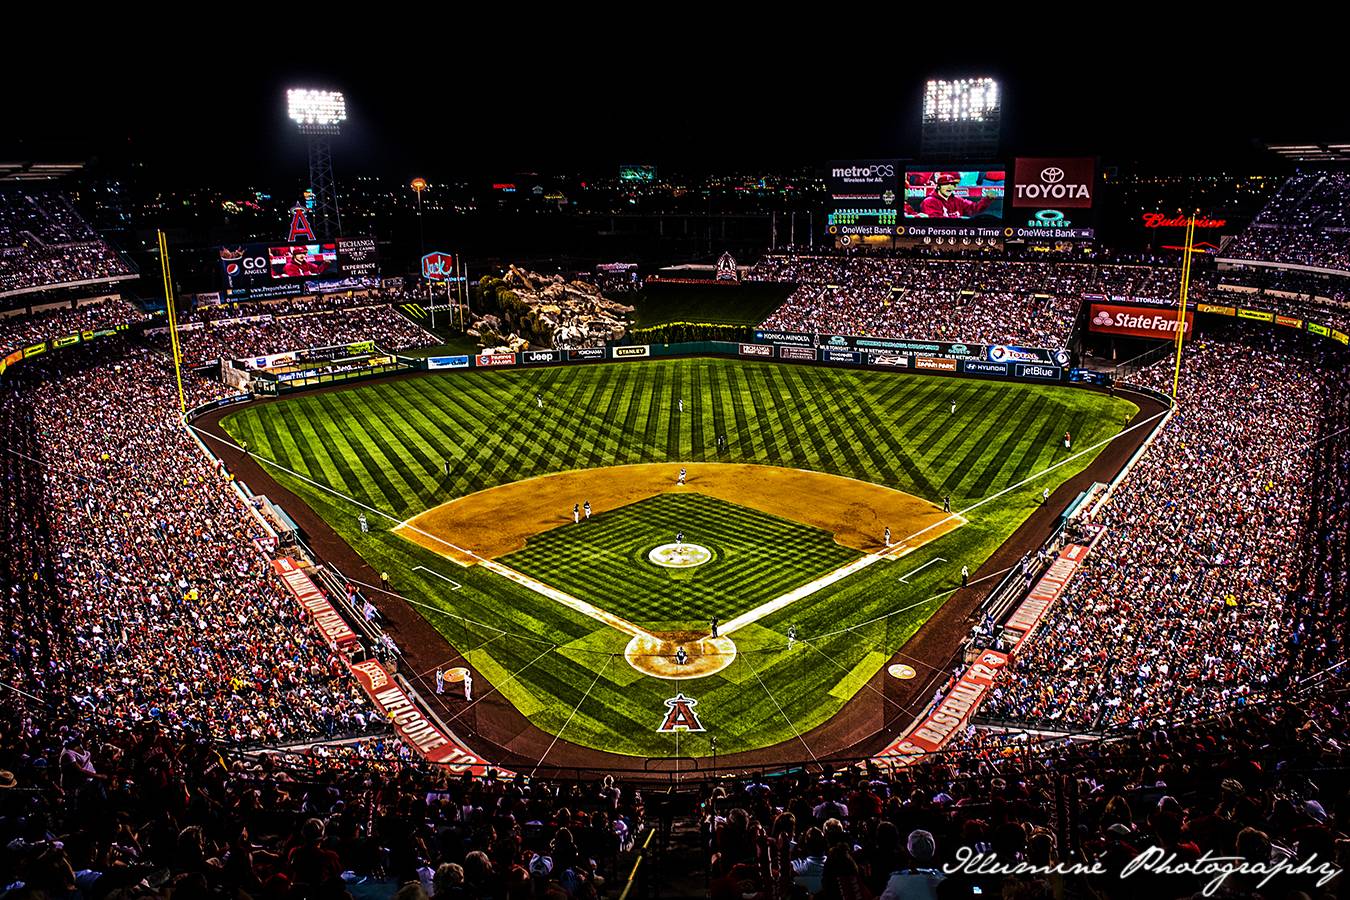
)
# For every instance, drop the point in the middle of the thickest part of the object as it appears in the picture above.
(954, 194)
(302, 260)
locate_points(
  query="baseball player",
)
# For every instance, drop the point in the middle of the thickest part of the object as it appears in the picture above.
(947, 503)
(468, 685)
(384, 580)
(586, 508)
(680, 656)
(792, 635)
(365, 526)
(1045, 496)
(953, 407)
(714, 626)
(887, 536)
(576, 513)
(447, 468)
(965, 576)
(679, 537)
(681, 404)
(440, 681)
(1068, 441)
(539, 399)
(680, 480)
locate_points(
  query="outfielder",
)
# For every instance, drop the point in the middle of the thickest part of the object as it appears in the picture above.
(365, 526)
(792, 635)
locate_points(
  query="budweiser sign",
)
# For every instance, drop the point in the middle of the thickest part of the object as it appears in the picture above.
(1136, 321)
(1158, 220)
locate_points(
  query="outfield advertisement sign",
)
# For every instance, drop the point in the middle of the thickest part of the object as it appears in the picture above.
(1002, 353)
(794, 338)
(931, 733)
(412, 725)
(847, 357)
(495, 359)
(586, 353)
(634, 351)
(803, 354)
(447, 362)
(901, 345)
(935, 363)
(980, 367)
(537, 357)
(314, 601)
(894, 360)
(1038, 372)
(762, 351)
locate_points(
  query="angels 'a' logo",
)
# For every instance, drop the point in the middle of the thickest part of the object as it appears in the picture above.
(300, 225)
(680, 715)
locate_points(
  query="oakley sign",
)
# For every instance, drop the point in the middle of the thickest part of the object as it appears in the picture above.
(1063, 183)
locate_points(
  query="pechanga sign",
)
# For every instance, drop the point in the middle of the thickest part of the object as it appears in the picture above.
(1136, 321)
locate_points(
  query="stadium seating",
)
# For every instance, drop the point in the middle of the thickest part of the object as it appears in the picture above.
(45, 242)
(1306, 223)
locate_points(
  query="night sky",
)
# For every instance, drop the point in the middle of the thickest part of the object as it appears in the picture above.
(483, 103)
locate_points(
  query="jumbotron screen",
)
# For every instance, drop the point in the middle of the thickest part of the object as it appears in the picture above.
(953, 194)
(260, 271)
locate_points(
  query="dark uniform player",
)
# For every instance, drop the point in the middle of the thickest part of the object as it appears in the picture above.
(681, 657)
(714, 626)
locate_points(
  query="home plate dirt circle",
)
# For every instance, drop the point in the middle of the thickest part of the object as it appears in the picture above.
(680, 556)
(655, 654)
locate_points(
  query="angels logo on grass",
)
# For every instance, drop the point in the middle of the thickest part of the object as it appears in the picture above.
(680, 715)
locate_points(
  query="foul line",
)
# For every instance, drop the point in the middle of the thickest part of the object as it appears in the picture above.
(456, 584)
(936, 559)
(790, 723)
(570, 716)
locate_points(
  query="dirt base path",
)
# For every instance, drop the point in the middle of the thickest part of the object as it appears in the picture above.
(499, 520)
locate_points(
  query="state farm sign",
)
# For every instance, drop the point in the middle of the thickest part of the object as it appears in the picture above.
(1135, 321)
(1052, 182)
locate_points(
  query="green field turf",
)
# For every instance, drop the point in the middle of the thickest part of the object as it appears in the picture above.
(383, 444)
(743, 304)
(756, 557)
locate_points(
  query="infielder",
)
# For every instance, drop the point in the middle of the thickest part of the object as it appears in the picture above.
(714, 626)
(679, 537)
(887, 536)
(587, 509)
(792, 635)
(680, 480)
(576, 514)
(365, 526)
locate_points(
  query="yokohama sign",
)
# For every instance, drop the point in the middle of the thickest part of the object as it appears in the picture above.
(1136, 321)
(1052, 182)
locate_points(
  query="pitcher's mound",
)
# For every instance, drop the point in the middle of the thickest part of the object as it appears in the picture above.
(658, 654)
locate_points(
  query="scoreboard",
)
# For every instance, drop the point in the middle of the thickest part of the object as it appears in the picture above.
(261, 271)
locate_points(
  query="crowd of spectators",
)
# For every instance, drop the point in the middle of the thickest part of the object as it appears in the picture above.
(44, 241)
(321, 327)
(1198, 596)
(976, 300)
(133, 575)
(18, 331)
(1307, 222)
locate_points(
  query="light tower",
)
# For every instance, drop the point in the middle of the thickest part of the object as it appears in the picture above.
(319, 115)
(961, 119)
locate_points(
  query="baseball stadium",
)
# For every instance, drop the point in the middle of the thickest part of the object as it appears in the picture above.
(601, 529)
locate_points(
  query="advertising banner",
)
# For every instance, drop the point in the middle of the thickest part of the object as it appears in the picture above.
(954, 194)
(847, 357)
(903, 345)
(953, 711)
(632, 351)
(65, 341)
(1257, 315)
(34, 349)
(1289, 321)
(763, 351)
(412, 725)
(1134, 321)
(583, 353)
(980, 367)
(796, 338)
(537, 357)
(447, 362)
(1051, 225)
(1323, 330)
(357, 256)
(495, 359)
(1039, 372)
(1340, 336)
(1217, 310)
(935, 363)
(1055, 182)
(894, 360)
(1047, 590)
(807, 354)
(314, 601)
(864, 196)
(1008, 354)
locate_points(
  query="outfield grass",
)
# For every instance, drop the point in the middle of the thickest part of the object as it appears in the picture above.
(756, 557)
(384, 443)
(743, 304)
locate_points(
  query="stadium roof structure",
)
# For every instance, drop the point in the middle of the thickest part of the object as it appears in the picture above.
(1312, 152)
(31, 171)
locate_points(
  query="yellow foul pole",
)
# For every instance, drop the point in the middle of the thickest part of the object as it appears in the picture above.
(1181, 306)
(173, 320)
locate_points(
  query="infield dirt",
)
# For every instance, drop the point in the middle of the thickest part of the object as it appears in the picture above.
(499, 520)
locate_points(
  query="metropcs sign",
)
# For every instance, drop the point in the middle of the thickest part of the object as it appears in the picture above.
(1060, 183)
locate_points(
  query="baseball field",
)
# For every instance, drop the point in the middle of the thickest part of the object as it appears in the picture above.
(793, 474)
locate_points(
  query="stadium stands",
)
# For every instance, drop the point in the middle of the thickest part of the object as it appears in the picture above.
(44, 242)
(313, 325)
(1306, 223)
(981, 301)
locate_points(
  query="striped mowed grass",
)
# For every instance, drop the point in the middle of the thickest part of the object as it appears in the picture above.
(383, 446)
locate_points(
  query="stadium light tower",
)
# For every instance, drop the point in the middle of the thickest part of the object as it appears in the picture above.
(319, 115)
(961, 118)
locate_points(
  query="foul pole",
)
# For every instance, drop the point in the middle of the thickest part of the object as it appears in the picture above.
(169, 307)
(1181, 306)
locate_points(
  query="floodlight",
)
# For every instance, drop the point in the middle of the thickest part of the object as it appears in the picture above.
(961, 100)
(316, 111)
